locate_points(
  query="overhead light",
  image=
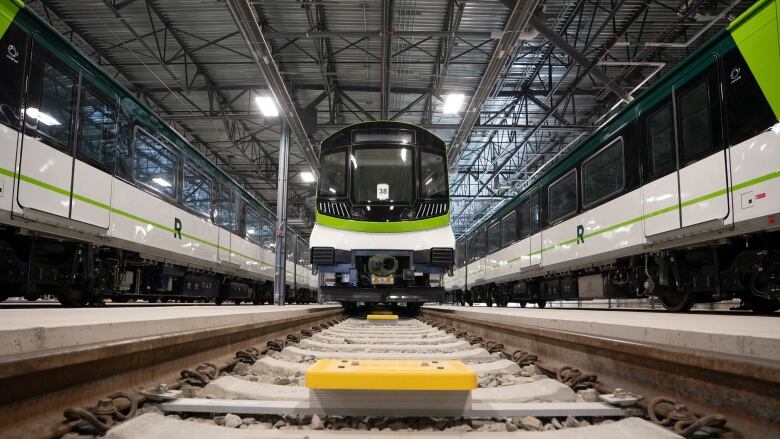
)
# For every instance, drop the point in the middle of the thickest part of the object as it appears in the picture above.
(41, 116)
(452, 103)
(267, 106)
(307, 177)
(161, 182)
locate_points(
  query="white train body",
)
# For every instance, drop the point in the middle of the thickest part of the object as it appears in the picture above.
(732, 193)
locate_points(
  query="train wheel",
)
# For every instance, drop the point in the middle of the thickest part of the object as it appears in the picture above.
(3, 298)
(541, 303)
(237, 302)
(761, 305)
(72, 297)
(678, 302)
(523, 304)
(32, 297)
(218, 301)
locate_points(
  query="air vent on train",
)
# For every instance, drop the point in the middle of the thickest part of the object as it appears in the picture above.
(323, 256)
(443, 257)
(333, 208)
(426, 210)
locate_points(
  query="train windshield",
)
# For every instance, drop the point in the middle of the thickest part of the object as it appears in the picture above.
(433, 175)
(333, 175)
(382, 175)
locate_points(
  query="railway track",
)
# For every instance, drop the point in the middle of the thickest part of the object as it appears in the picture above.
(526, 380)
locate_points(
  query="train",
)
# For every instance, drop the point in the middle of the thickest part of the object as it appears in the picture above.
(101, 199)
(675, 197)
(382, 229)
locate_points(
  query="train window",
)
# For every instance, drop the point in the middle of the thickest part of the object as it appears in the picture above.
(289, 243)
(660, 140)
(56, 105)
(479, 244)
(252, 225)
(196, 191)
(225, 213)
(694, 115)
(460, 252)
(383, 175)
(509, 229)
(97, 133)
(12, 69)
(603, 173)
(562, 197)
(525, 219)
(154, 165)
(268, 240)
(433, 175)
(747, 109)
(124, 138)
(333, 174)
(536, 214)
(494, 238)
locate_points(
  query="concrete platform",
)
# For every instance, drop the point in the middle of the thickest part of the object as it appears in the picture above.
(152, 426)
(29, 330)
(747, 336)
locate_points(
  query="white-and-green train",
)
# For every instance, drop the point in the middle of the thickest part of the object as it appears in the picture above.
(677, 196)
(100, 198)
(382, 231)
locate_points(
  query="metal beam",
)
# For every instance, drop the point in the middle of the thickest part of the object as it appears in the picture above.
(244, 15)
(387, 37)
(576, 55)
(280, 257)
(518, 20)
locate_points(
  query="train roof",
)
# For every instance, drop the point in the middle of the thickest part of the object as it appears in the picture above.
(342, 136)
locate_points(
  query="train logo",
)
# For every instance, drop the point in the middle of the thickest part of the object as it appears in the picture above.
(13, 54)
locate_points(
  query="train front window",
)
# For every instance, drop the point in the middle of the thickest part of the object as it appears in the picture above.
(382, 175)
(433, 175)
(333, 174)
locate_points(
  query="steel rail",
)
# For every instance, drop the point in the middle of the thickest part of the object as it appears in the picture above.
(37, 386)
(745, 390)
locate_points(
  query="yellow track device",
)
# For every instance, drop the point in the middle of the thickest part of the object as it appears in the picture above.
(421, 375)
(381, 317)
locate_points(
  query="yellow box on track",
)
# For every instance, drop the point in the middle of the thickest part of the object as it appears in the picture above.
(422, 375)
(382, 317)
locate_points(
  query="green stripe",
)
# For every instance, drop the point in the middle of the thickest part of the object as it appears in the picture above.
(8, 10)
(58, 190)
(379, 227)
(672, 208)
(756, 34)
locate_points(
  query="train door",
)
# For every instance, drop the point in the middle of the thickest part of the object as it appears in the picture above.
(702, 155)
(95, 156)
(685, 166)
(45, 162)
(535, 253)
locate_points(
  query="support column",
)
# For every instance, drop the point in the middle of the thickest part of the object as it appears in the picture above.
(280, 259)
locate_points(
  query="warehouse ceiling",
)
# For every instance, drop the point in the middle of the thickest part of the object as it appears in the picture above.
(537, 77)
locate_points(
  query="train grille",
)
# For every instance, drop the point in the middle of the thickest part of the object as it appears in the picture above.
(323, 256)
(426, 210)
(443, 257)
(334, 208)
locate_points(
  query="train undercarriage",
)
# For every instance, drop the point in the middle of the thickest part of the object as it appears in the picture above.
(79, 273)
(746, 268)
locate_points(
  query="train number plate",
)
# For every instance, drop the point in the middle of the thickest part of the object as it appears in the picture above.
(381, 280)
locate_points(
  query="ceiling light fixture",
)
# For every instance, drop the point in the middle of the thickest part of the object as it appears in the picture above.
(267, 106)
(452, 103)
